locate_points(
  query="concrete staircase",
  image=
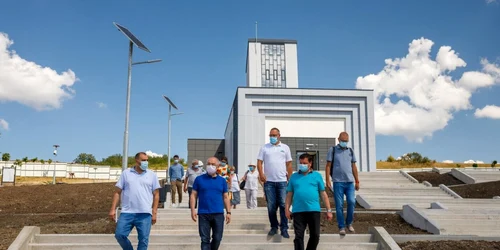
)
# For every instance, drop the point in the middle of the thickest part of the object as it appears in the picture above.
(175, 230)
(480, 217)
(472, 176)
(393, 190)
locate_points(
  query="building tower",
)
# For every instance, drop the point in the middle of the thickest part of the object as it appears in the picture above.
(272, 63)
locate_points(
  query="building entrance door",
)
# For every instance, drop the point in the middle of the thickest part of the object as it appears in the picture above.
(314, 154)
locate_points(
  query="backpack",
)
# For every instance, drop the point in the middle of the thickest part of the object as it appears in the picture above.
(333, 159)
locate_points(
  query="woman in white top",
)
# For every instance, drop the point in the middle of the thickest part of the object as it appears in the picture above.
(251, 186)
(234, 188)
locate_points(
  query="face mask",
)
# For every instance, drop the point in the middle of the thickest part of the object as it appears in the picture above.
(343, 144)
(251, 168)
(196, 167)
(211, 169)
(303, 168)
(273, 139)
(176, 161)
(144, 165)
(223, 164)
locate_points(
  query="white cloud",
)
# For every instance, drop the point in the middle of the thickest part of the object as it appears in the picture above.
(473, 161)
(491, 1)
(416, 96)
(26, 82)
(447, 161)
(4, 124)
(101, 105)
(489, 111)
(152, 154)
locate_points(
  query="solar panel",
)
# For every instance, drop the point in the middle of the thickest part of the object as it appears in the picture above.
(170, 102)
(131, 37)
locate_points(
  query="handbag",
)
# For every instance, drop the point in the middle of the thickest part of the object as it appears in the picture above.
(243, 183)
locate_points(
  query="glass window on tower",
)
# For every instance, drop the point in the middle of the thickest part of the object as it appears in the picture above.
(273, 66)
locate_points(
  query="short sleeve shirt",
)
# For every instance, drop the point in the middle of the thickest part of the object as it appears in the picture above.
(306, 191)
(210, 194)
(275, 158)
(137, 190)
(192, 174)
(342, 165)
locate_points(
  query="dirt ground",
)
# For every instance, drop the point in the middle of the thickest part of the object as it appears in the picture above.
(486, 190)
(450, 245)
(65, 208)
(436, 179)
(393, 223)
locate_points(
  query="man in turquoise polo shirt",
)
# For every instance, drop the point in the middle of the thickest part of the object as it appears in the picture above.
(304, 189)
(211, 191)
(138, 188)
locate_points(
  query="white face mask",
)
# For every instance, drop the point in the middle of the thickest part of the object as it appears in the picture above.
(211, 169)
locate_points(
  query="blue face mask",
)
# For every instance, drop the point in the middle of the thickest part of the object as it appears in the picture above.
(251, 168)
(144, 165)
(223, 164)
(303, 168)
(273, 140)
(343, 144)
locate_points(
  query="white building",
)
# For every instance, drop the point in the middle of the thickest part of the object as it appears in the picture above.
(310, 120)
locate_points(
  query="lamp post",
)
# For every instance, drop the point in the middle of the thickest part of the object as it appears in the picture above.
(132, 40)
(170, 105)
(55, 155)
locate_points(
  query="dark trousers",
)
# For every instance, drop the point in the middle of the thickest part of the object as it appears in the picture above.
(190, 190)
(300, 222)
(210, 223)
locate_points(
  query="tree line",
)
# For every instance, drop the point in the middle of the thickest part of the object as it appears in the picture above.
(417, 158)
(89, 159)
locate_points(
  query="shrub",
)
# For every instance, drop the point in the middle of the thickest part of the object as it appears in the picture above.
(458, 165)
(474, 165)
(390, 158)
(494, 163)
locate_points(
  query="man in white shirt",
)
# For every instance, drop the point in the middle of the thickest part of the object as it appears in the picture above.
(275, 174)
(138, 188)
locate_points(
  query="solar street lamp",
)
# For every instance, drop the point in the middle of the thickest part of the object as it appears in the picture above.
(132, 40)
(170, 105)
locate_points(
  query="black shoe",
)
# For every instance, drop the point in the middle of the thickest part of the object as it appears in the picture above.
(285, 234)
(272, 232)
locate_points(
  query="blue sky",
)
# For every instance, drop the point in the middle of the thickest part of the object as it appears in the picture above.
(203, 47)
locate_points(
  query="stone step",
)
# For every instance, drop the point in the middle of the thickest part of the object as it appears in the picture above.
(462, 222)
(464, 211)
(234, 220)
(224, 246)
(408, 197)
(191, 238)
(469, 216)
(467, 231)
(236, 225)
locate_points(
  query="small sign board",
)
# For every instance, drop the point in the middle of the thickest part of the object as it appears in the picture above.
(8, 175)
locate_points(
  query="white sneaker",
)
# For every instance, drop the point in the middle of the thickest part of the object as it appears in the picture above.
(173, 205)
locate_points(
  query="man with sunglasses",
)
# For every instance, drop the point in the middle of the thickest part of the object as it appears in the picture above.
(342, 179)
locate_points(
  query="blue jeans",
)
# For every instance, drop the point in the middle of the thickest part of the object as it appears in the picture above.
(275, 196)
(208, 223)
(126, 222)
(339, 190)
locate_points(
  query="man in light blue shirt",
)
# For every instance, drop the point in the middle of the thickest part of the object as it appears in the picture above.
(341, 169)
(304, 190)
(138, 188)
(176, 173)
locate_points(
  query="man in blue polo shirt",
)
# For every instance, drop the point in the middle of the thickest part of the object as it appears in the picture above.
(304, 189)
(139, 192)
(341, 167)
(211, 191)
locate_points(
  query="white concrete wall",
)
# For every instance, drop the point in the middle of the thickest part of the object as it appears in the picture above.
(292, 66)
(315, 127)
(63, 170)
(228, 139)
(254, 70)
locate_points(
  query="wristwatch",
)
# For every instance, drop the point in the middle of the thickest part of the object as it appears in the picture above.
(329, 210)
